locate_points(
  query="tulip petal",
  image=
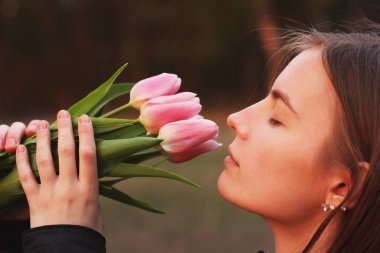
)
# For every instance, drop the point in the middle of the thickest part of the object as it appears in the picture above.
(154, 116)
(205, 147)
(183, 135)
(176, 98)
(163, 84)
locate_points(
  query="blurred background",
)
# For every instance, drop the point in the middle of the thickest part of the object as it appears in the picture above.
(52, 53)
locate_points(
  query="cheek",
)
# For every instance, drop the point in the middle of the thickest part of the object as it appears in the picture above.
(275, 175)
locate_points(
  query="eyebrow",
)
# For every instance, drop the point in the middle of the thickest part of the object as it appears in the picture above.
(277, 94)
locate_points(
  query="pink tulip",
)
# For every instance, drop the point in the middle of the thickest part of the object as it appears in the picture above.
(198, 116)
(205, 147)
(162, 110)
(179, 97)
(183, 135)
(163, 84)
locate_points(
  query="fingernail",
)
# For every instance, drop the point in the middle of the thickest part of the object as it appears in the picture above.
(63, 114)
(11, 142)
(20, 149)
(42, 125)
(84, 119)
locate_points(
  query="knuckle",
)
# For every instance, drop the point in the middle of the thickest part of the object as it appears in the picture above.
(88, 153)
(66, 151)
(24, 178)
(90, 188)
(43, 163)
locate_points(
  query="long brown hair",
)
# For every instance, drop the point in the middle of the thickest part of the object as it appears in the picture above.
(351, 56)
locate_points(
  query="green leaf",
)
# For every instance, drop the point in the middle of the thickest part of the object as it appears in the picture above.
(112, 181)
(111, 152)
(143, 156)
(92, 99)
(115, 194)
(130, 131)
(133, 170)
(117, 90)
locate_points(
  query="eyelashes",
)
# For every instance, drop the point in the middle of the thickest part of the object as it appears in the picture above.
(274, 122)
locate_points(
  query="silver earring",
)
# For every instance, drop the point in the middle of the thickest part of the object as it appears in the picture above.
(327, 207)
(324, 207)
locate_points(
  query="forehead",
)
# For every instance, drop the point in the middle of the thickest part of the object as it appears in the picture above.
(308, 86)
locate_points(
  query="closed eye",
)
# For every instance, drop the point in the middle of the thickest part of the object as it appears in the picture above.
(274, 122)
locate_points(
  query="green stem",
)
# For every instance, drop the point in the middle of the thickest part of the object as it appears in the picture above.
(117, 110)
(160, 162)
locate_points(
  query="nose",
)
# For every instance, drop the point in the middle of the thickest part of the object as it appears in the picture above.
(236, 123)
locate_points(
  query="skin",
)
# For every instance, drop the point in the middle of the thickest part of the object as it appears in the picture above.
(10, 137)
(274, 168)
(70, 197)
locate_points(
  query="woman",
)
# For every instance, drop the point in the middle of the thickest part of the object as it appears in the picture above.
(306, 158)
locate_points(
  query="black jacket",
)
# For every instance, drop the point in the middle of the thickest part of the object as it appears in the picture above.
(15, 237)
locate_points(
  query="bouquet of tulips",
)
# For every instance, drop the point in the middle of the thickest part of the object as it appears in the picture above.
(169, 126)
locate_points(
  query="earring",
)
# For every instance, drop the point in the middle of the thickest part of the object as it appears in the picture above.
(327, 207)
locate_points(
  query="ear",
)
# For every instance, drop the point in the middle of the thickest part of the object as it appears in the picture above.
(340, 183)
(339, 186)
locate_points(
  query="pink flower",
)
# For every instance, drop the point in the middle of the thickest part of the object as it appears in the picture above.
(162, 110)
(183, 135)
(205, 147)
(163, 84)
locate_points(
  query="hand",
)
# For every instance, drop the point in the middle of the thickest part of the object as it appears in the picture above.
(70, 197)
(10, 137)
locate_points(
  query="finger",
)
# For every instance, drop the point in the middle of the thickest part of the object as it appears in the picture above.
(25, 174)
(88, 173)
(31, 129)
(15, 133)
(3, 135)
(44, 158)
(66, 146)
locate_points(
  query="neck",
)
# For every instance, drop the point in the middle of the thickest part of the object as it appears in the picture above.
(293, 237)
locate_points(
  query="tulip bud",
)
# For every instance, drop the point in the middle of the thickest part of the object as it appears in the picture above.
(162, 110)
(205, 147)
(183, 135)
(163, 84)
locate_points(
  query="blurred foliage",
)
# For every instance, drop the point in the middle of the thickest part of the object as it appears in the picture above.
(54, 52)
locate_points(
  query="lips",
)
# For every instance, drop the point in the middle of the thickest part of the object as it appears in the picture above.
(231, 155)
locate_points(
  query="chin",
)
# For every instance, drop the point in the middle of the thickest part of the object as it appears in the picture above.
(227, 190)
(230, 192)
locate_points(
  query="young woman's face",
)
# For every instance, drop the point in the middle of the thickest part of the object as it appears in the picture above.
(274, 165)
